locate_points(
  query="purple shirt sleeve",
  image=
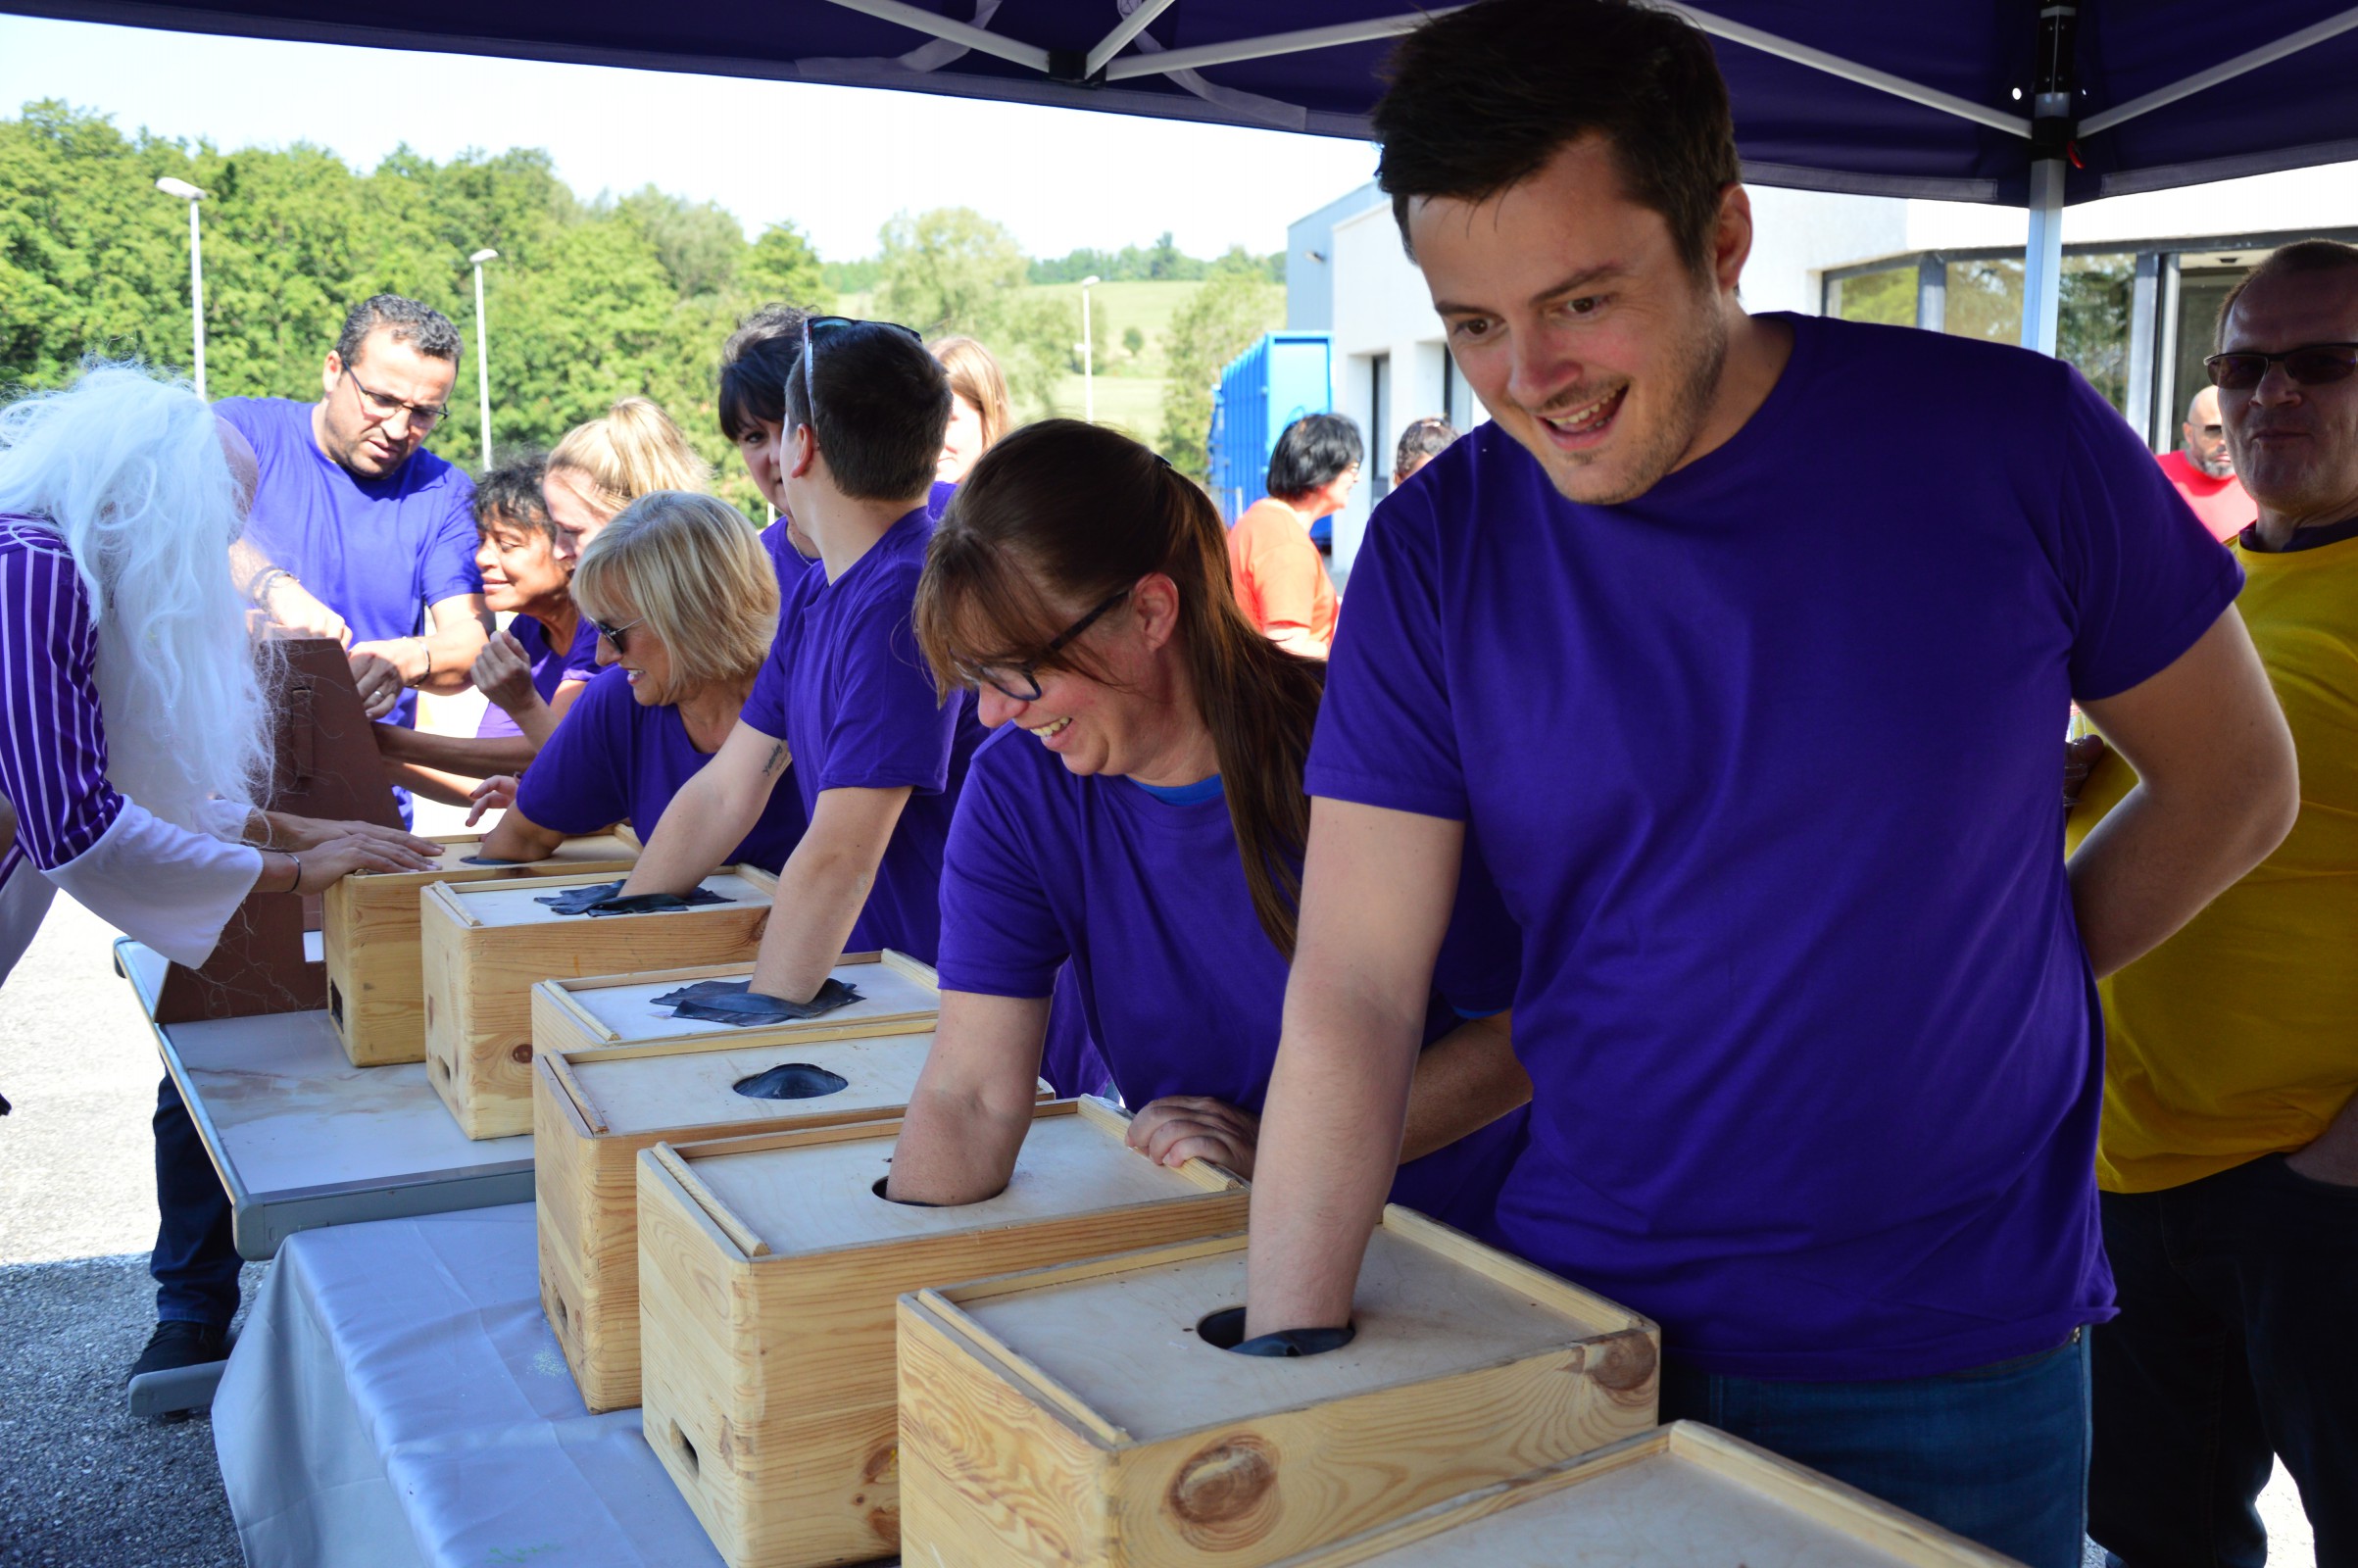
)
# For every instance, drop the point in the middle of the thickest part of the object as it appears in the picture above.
(2145, 577)
(581, 781)
(764, 706)
(448, 570)
(53, 743)
(1000, 936)
(1384, 735)
(887, 727)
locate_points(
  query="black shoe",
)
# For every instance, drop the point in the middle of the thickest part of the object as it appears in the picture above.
(175, 1345)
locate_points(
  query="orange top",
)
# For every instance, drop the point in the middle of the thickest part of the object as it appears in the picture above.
(1281, 579)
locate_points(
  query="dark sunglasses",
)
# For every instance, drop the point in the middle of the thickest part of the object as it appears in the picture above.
(816, 328)
(1022, 681)
(2310, 365)
(613, 635)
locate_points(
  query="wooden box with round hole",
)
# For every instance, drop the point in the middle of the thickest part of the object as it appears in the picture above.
(647, 1077)
(1094, 1415)
(768, 1267)
(370, 937)
(1678, 1497)
(485, 945)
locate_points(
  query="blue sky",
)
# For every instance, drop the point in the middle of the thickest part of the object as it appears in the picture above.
(836, 161)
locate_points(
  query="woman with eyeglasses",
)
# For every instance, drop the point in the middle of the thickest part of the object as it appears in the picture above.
(682, 601)
(1139, 812)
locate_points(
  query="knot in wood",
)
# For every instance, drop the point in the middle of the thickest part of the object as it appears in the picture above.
(1225, 1496)
(520, 1054)
(1626, 1368)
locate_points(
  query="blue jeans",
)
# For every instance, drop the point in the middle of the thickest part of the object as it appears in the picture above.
(1997, 1453)
(2237, 1339)
(195, 1262)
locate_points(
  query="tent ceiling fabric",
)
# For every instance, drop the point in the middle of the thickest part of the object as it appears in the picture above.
(1797, 125)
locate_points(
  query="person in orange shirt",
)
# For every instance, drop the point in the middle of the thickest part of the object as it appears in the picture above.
(1281, 579)
(2204, 470)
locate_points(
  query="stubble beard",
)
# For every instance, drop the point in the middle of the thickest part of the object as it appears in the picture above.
(1692, 370)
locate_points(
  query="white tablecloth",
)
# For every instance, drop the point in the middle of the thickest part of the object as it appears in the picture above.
(396, 1399)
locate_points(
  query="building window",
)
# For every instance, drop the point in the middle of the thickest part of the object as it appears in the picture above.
(1885, 296)
(1379, 425)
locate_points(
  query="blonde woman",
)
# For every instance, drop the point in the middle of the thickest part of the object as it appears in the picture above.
(980, 412)
(682, 602)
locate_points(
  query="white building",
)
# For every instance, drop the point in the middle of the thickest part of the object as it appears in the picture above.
(2143, 279)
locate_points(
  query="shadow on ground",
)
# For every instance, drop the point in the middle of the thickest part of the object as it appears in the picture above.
(82, 1484)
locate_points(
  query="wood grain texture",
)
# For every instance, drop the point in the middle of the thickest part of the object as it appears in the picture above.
(369, 933)
(484, 945)
(619, 1009)
(1469, 1368)
(1683, 1495)
(778, 1373)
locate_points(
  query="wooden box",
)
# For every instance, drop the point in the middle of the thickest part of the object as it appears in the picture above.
(655, 1081)
(1683, 1495)
(484, 945)
(1078, 1416)
(375, 981)
(767, 1272)
(592, 1012)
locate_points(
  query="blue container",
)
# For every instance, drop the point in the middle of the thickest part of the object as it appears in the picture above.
(1267, 387)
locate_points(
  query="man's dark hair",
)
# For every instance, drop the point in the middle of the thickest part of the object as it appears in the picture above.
(1311, 454)
(2301, 258)
(1482, 98)
(754, 364)
(512, 491)
(883, 406)
(421, 326)
(1426, 438)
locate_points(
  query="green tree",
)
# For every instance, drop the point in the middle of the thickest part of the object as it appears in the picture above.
(953, 269)
(782, 267)
(1222, 321)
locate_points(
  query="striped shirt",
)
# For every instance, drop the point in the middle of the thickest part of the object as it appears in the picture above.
(53, 742)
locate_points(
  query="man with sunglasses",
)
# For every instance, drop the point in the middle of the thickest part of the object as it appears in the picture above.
(356, 527)
(2203, 471)
(844, 696)
(2229, 1154)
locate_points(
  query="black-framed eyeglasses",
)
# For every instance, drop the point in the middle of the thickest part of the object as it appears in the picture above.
(1021, 682)
(613, 635)
(380, 407)
(815, 327)
(2310, 365)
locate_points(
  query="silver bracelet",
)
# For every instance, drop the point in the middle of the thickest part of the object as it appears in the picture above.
(295, 886)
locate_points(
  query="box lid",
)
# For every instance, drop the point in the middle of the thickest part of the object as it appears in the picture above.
(686, 1090)
(515, 902)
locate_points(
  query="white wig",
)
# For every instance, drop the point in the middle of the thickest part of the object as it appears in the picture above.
(128, 470)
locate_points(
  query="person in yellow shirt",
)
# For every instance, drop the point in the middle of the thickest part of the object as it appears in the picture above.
(1281, 579)
(2228, 1160)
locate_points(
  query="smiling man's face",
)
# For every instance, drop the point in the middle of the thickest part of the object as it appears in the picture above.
(2296, 447)
(1577, 322)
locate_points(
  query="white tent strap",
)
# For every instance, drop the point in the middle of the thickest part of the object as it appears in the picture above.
(920, 19)
(1129, 28)
(1768, 43)
(2225, 70)
(1276, 43)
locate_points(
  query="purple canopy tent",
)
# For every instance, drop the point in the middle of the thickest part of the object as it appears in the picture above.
(2001, 101)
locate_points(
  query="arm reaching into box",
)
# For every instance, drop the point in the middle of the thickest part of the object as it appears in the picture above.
(822, 888)
(712, 815)
(973, 1103)
(1377, 890)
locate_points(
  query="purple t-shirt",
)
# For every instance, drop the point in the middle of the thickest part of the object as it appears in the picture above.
(791, 563)
(847, 690)
(551, 668)
(611, 759)
(1765, 761)
(1144, 891)
(377, 552)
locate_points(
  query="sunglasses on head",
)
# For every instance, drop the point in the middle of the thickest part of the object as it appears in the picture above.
(2310, 365)
(816, 328)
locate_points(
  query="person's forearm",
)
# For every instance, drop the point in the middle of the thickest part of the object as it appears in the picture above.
(820, 896)
(516, 837)
(2152, 863)
(436, 661)
(1330, 1139)
(538, 719)
(2334, 1155)
(428, 784)
(1464, 1081)
(1297, 640)
(972, 1106)
(472, 756)
(693, 837)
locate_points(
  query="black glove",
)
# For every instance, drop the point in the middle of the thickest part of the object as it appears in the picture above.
(734, 1001)
(486, 860)
(603, 897)
(1222, 1330)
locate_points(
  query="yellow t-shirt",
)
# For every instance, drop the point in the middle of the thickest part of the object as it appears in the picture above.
(2239, 1036)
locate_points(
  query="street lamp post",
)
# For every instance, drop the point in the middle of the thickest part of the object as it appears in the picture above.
(1088, 354)
(483, 350)
(196, 267)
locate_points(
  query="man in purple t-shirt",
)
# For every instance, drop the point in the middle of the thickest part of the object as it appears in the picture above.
(1769, 773)
(845, 695)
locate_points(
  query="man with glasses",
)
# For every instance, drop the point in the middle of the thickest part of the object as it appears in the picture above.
(2229, 1154)
(846, 695)
(2204, 470)
(353, 531)
(355, 517)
